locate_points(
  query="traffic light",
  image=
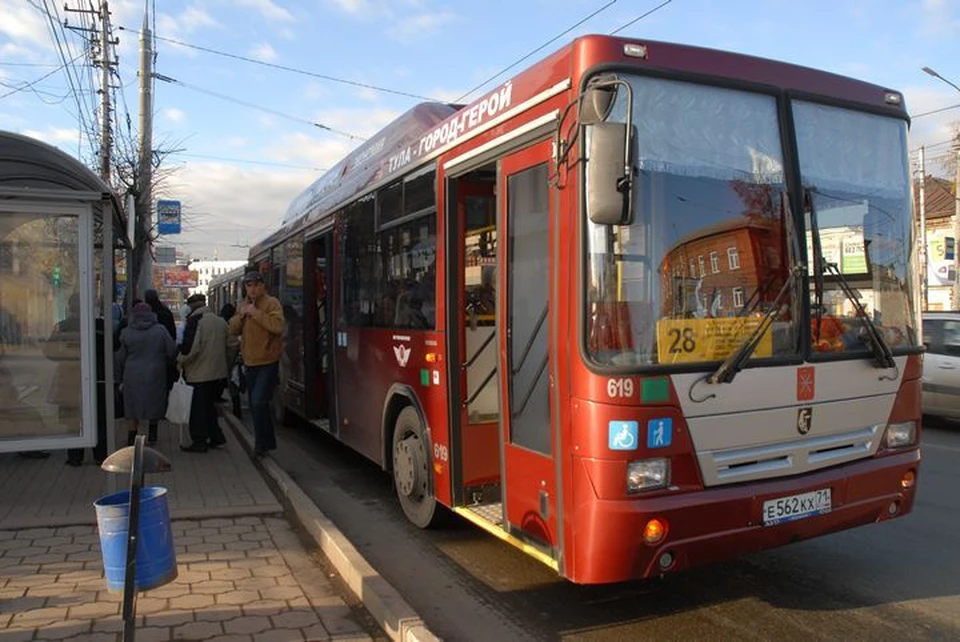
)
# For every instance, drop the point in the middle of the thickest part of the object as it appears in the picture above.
(55, 276)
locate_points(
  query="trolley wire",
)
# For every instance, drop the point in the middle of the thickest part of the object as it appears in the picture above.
(293, 70)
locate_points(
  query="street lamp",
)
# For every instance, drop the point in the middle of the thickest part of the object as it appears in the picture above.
(956, 199)
(936, 75)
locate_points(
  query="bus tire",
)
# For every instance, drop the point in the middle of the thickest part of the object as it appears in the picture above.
(411, 469)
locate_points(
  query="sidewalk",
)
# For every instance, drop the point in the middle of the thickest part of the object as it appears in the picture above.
(244, 572)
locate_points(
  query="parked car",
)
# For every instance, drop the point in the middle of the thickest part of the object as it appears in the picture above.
(941, 364)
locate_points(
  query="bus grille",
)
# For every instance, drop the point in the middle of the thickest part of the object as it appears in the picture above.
(786, 458)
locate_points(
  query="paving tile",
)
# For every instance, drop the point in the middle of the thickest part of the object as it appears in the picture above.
(44, 558)
(39, 617)
(237, 529)
(215, 523)
(219, 613)
(151, 604)
(94, 637)
(7, 535)
(316, 632)
(265, 607)
(281, 593)
(255, 583)
(247, 625)
(21, 604)
(153, 634)
(281, 635)
(237, 597)
(206, 547)
(64, 630)
(232, 638)
(296, 619)
(271, 570)
(93, 611)
(223, 538)
(192, 602)
(35, 533)
(230, 574)
(168, 591)
(211, 587)
(197, 631)
(17, 635)
(54, 540)
(167, 618)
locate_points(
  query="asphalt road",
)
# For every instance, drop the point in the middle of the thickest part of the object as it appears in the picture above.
(892, 581)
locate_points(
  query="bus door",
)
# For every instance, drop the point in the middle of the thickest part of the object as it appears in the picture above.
(319, 323)
(477, 448)
(529, 449)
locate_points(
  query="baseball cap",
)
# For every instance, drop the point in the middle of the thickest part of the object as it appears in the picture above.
(253, 277)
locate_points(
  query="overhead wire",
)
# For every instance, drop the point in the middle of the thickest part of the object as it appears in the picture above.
(640, 17)
(293, 70)
(268, 110)
(540, 48)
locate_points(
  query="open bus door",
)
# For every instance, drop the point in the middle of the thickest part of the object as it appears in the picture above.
(529, 479)
(318, 353)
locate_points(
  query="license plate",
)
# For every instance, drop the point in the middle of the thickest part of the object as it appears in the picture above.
(788, 509)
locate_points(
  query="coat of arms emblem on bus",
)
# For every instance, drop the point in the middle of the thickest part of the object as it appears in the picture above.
(804, 420)
(402, 353)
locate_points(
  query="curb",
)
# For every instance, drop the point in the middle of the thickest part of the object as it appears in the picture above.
(384, 602)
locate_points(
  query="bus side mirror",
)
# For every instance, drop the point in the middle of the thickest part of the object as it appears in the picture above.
(609, 174)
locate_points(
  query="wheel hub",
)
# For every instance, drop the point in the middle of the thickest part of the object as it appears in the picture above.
(408, 462)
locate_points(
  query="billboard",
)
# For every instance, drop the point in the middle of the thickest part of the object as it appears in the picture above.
(168, 217)
(179, 277)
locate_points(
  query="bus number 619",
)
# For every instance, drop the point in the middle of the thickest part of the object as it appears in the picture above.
(622, 388)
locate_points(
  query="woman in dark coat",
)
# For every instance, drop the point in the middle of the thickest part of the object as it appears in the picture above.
(146, 352)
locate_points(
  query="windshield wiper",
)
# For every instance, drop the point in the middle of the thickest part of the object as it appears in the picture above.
(869, 332)
(818, 268)
(734, 363)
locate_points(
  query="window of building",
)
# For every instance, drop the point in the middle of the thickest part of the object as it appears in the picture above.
(700, 264)
(733, 258)
(714, 262)
(738, 297)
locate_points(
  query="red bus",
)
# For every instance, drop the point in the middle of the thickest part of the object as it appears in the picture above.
(642, 307)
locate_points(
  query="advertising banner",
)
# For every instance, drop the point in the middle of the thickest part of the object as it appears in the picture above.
(179, 277)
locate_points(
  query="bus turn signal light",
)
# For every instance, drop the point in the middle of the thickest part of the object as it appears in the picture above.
(654, 531)
(908, 480)
(432, 357)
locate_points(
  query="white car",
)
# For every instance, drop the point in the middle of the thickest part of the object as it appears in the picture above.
(941, 364)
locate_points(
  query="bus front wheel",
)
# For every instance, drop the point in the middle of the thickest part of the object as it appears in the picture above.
(411, 469)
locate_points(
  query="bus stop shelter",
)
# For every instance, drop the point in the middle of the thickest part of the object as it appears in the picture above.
(60, 230)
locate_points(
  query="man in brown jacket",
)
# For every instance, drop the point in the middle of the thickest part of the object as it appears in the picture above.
(259, 323)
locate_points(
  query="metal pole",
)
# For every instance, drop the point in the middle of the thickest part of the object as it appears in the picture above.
(956, 233)
(133, 536)
(106, 140)
(145, 280)
(923, 230)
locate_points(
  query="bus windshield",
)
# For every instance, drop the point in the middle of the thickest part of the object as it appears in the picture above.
(711, 246)
(858, 201)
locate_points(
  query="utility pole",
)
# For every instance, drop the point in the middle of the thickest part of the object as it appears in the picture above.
(923, 229)
(145, 173)
(956, 234)
(106, 138)
(106, 63)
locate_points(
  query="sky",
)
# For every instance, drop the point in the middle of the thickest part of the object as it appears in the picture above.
(244, 84)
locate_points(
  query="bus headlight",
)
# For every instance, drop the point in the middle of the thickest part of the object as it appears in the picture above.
(900, 434)
(647, 474)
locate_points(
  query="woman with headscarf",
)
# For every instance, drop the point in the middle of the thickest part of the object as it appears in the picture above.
(145, 354)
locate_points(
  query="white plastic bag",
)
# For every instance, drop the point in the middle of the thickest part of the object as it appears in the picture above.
(178, 403)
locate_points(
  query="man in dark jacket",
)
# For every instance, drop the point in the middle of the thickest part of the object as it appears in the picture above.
(164, 315)
(203, 359)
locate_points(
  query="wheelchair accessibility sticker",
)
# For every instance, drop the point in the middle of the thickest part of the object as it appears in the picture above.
(623, 435)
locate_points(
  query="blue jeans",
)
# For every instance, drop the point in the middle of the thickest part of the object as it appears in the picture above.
(261, 382)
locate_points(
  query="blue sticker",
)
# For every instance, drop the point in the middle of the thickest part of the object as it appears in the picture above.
(659, 432)
(622, 435)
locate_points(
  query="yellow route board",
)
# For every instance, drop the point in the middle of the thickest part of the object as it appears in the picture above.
(688, 340)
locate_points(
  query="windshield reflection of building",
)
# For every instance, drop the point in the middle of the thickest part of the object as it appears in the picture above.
(722, 269)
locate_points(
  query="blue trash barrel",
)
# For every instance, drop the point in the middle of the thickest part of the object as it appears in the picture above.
(156, 562)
